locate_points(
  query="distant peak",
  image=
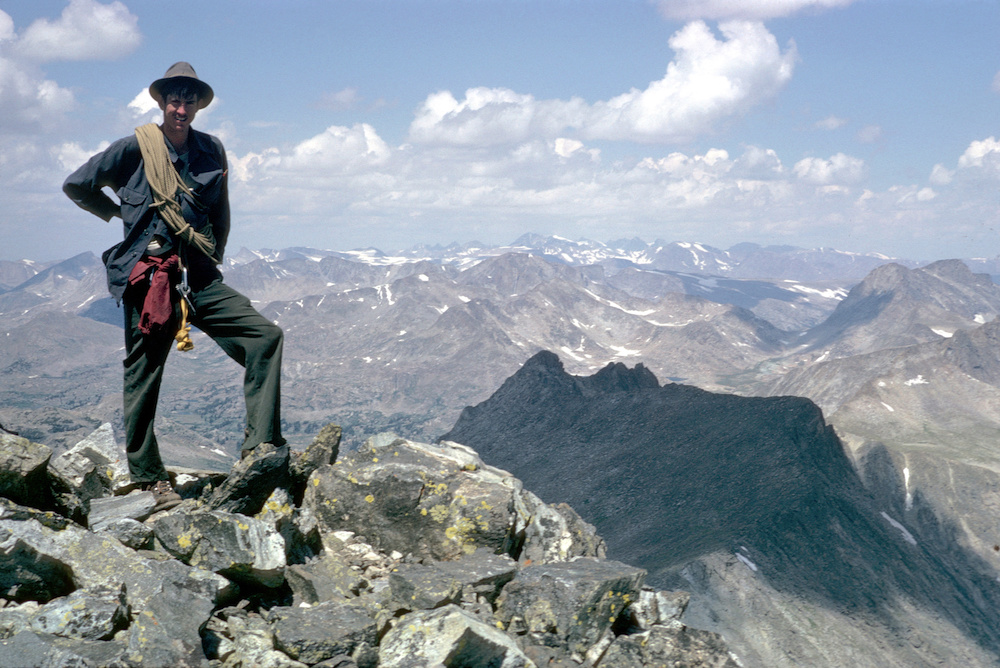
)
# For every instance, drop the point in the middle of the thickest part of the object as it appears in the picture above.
(616, 377)
(544, 359)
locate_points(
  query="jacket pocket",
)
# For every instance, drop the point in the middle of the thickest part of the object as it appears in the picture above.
(133, 203)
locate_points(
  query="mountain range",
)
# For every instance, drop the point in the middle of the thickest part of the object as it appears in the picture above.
(899, 356)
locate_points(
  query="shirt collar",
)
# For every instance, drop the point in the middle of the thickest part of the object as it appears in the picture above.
(196, 144)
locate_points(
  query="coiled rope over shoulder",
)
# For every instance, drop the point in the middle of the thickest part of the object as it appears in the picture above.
(164, 183)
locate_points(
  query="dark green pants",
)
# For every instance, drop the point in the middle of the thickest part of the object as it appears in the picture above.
(244, 334)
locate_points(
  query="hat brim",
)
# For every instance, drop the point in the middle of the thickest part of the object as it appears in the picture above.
(205, 92)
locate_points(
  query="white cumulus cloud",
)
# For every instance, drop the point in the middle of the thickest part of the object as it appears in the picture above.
(28, 100)
(838, 170)
(742, 9)
(981, 153)
(709, 81)
(86, 30)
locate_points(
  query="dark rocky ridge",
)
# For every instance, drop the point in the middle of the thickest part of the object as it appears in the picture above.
(687, 483)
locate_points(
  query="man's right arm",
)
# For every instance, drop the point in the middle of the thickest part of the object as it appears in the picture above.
(111, 168)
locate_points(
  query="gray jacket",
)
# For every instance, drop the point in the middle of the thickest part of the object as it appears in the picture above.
(120, 167)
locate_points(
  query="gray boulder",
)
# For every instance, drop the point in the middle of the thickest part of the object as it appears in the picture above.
(135, 505)
(95, 614)
(570, 605)
(296, 526)
(553, 533)
(400, 554)
(23, 471)
(169, 601)
(423, 587)
(658, 607)
(39, 650)
(101, 448)
(252, 480)
(75, 480)
(327, 578)
(669, 645)
(242, 548)
(16, 618)
(448, 636)
(93, 468)
(323, 631)
(241, 640)
(433, 585)
(28, 572)
(94, 561)
(323, 451)
(432, 501)
(13, 511)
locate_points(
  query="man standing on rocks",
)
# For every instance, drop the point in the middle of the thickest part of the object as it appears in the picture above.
(171, 181)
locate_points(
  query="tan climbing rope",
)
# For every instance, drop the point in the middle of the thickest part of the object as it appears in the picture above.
(165, 182)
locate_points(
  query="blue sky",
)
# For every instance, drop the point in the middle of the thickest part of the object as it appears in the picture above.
(864, 125)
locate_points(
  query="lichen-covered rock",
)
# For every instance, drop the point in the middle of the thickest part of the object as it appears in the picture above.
(100, 561)
(166, 631)
(24, 471)
(433, 585)
(323, 450)
(243, 641)
(432, 501)
(93, 468)
(75, 480)
(658, 607)
(296, 526)
(327, 578)
(423, 587)
(252, 480)
(101, 448)
(448, 636)
(568, 604)
(554, 533)
(128, 532)
(669, 645)
(95, 614)
(13, 511)
(170, 601)
(16, 618)
(28, 571)
(41, 650)
(322, 631)
(401, 554)
(242, 548)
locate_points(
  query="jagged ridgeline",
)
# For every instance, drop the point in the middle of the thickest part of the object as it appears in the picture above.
(749, 502)
(398, 555)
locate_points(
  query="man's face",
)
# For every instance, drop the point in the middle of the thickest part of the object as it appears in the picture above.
(179, 111)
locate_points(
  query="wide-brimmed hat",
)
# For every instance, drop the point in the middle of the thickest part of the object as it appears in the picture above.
(184, 72)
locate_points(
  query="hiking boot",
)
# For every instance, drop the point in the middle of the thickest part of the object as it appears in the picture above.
(248, 452)
(164, 495)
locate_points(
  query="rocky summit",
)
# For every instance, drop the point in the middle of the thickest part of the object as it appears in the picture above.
(753, 505)
(398, 555)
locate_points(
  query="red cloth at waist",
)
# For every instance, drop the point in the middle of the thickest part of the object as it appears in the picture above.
(158, 305)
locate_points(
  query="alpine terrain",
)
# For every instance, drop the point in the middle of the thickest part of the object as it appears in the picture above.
(806, 440)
